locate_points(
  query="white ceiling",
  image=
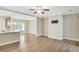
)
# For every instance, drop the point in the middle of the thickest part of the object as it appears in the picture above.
(54, 10)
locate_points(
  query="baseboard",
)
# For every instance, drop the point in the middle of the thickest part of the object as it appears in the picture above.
(59, 38)
(43, 36)
(9, 42)
(38, 35)
(68, 38)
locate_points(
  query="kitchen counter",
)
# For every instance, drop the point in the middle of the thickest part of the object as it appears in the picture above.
(9, 32)
(9, 37)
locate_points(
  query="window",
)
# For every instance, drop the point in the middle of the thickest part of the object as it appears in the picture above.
(19, 26)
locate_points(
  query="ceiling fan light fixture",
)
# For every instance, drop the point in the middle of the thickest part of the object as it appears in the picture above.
(38, 11)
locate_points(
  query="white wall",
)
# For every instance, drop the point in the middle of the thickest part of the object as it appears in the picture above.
(27, 27)
(33, 26)
(39, 26)
(55, 30)
(42, 26)
(21, 17)
(71, 26)
(45, 26)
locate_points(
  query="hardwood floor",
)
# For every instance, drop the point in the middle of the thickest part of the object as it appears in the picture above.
(31, 43)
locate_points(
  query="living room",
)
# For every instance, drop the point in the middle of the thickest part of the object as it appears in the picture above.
(39, 28)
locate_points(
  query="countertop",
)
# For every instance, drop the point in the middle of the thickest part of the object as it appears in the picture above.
(10, 32)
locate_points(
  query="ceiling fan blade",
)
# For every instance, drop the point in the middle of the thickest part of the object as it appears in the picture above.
(35, 12)
(46, 10)
(42, 12)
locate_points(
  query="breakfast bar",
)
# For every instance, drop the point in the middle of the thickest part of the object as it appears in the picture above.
(9, 37)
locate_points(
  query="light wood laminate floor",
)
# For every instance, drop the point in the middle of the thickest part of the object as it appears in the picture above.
(31, 43)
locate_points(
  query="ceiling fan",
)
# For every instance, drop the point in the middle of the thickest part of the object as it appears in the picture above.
(39, 9)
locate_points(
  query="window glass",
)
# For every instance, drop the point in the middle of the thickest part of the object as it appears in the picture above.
(19, 26)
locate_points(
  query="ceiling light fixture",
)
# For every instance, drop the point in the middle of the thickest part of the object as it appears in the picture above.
(39, 9)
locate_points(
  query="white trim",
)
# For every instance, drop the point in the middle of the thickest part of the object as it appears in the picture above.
(59, 38)
(9, 42)
(68, 38)
(38, 35)
(45, 34)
